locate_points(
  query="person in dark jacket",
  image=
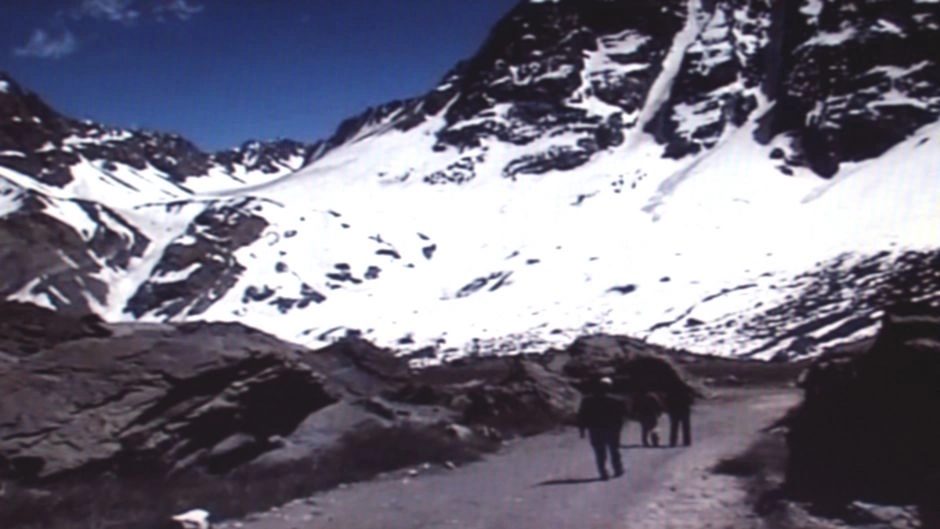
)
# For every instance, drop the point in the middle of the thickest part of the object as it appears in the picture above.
(602, 416)
(679, 407)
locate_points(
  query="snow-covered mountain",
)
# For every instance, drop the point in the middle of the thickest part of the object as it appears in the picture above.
(742, 177)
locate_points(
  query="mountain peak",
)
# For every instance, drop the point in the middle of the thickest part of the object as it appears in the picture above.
(7, 86)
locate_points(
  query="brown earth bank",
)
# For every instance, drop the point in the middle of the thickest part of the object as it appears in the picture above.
(121, 425)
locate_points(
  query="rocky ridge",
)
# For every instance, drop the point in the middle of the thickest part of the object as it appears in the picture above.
(37, 140)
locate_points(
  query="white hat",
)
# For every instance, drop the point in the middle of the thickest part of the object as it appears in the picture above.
(606, 381)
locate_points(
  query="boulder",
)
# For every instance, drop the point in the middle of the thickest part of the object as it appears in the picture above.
(866, 428)
(152, 398)
(318, 433)
(528, 400)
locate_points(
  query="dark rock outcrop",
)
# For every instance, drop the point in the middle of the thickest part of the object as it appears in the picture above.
(206, 253)
(866, 428)
(851, 79)
(719, 80)
(516, 396)
(152, 399)
(635, 367)
(47, 257)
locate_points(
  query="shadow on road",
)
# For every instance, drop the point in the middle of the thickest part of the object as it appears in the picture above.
(637, 445)
(567, 481)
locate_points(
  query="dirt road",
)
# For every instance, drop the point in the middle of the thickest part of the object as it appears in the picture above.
(550, 481)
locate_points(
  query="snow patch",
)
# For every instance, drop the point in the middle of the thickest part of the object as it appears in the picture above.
(830, 38)
(812, 8)
(886, 26)
(897, 72)
(26, 295)
(174, 276)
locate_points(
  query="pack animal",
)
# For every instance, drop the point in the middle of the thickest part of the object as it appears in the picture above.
(648, 374)
(646, 408)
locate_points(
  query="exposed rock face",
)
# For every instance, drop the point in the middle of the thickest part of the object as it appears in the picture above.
(599, 355)
(521, 397)
(851, 78)
(866, 428)
(199, 267)
(544, 71)
(41, 254)
(153, 400)
(528, 74)
(720, 79)
(81, 397)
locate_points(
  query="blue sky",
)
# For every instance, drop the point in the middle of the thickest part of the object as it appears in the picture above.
(220, 72)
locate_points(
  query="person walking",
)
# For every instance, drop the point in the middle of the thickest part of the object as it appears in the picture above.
(679, 407)
(602, 416)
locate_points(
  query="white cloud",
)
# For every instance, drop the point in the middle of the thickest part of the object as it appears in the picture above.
(55, 45)
(181, 9)
(45, 46)
(111, 10)
(130, 11)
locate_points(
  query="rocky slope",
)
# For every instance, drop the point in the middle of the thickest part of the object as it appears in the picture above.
(152, 400)
(156, 399)
(726, 176)
(140, 419)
